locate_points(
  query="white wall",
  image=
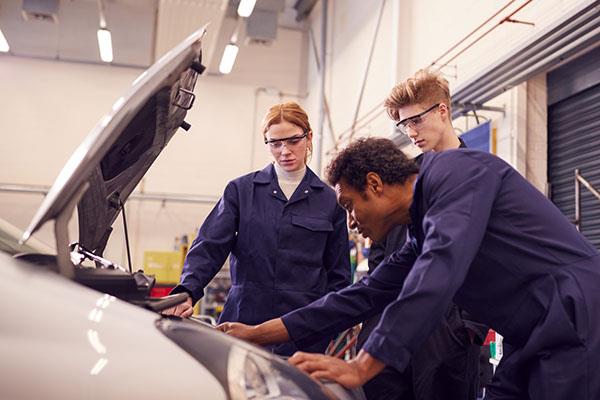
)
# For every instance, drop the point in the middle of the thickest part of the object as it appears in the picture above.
(48, 107)
(413, 34)
(351, 29)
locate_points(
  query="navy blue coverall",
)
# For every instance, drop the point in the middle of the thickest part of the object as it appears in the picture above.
(482, 236)
(284, 254)
(447, 365)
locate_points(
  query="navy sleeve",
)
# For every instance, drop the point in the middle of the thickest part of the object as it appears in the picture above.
(211, 247)
(459, 193)
(337, 254)
(341, 310)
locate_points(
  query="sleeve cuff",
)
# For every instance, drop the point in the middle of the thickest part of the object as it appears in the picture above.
(183, 289)
(297, 336)
(389, 353)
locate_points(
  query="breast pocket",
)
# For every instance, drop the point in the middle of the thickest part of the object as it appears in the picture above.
(310, 234)
(312, 224)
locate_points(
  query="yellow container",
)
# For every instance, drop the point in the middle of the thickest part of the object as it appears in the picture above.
(166, 266)
(175, 267)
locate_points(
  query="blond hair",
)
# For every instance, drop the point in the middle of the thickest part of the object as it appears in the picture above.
(424, 87)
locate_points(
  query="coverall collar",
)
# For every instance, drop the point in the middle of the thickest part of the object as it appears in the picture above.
(268, 175)
(310, 182)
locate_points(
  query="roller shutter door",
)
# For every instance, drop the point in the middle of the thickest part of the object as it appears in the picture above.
(574, 143)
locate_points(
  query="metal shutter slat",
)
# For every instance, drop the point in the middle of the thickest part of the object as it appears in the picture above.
(574, 143)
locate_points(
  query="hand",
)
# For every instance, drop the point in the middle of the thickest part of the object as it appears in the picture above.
(182, 310)
(350, 374)
(238, 330)
(269, 332)
(320, 366)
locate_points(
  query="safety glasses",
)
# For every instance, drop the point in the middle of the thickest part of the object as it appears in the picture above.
(290, 142)
(415, 120)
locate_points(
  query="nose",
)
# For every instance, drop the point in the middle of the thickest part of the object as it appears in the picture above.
(411, 132)
(285, 149)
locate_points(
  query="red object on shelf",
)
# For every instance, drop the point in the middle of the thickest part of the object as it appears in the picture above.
(490, 337)
(160, 291)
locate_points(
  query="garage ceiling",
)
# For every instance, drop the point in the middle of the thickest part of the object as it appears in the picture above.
(142, 30)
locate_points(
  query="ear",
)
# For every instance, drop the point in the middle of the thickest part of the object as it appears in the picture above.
(443, 110)
(374, 183)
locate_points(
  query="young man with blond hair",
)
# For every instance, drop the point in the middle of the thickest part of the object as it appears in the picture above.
(421, 105)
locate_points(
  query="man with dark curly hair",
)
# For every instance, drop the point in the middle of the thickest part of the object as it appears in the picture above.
(480, 235)
(447, 365)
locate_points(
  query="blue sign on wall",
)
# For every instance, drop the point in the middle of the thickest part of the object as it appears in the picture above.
(478, 137)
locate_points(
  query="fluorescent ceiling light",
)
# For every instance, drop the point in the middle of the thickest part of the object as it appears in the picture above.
(105, 45)
(3, 43)
(245, 8)
(228, 59)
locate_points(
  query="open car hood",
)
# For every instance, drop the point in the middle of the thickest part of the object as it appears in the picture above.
(116, 154)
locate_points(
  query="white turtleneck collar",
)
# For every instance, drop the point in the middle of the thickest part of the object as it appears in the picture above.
(289, 180)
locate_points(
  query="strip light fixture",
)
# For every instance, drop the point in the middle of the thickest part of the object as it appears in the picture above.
(228, 59)
(104, 37)
(245, 8)
(105, 45)
(4, 47)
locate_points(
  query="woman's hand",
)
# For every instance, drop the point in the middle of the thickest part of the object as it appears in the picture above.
(182, 310)
(350, 374)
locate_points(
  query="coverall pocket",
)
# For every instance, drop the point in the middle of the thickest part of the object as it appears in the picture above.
(312, 224)
(310, 239)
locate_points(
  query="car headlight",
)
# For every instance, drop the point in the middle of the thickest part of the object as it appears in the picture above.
(245, 371)
(252, 377)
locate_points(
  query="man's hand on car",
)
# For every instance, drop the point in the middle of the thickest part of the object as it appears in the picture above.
(351, 374)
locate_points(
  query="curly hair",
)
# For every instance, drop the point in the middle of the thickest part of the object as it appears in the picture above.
(366, 155)
(424, 87)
